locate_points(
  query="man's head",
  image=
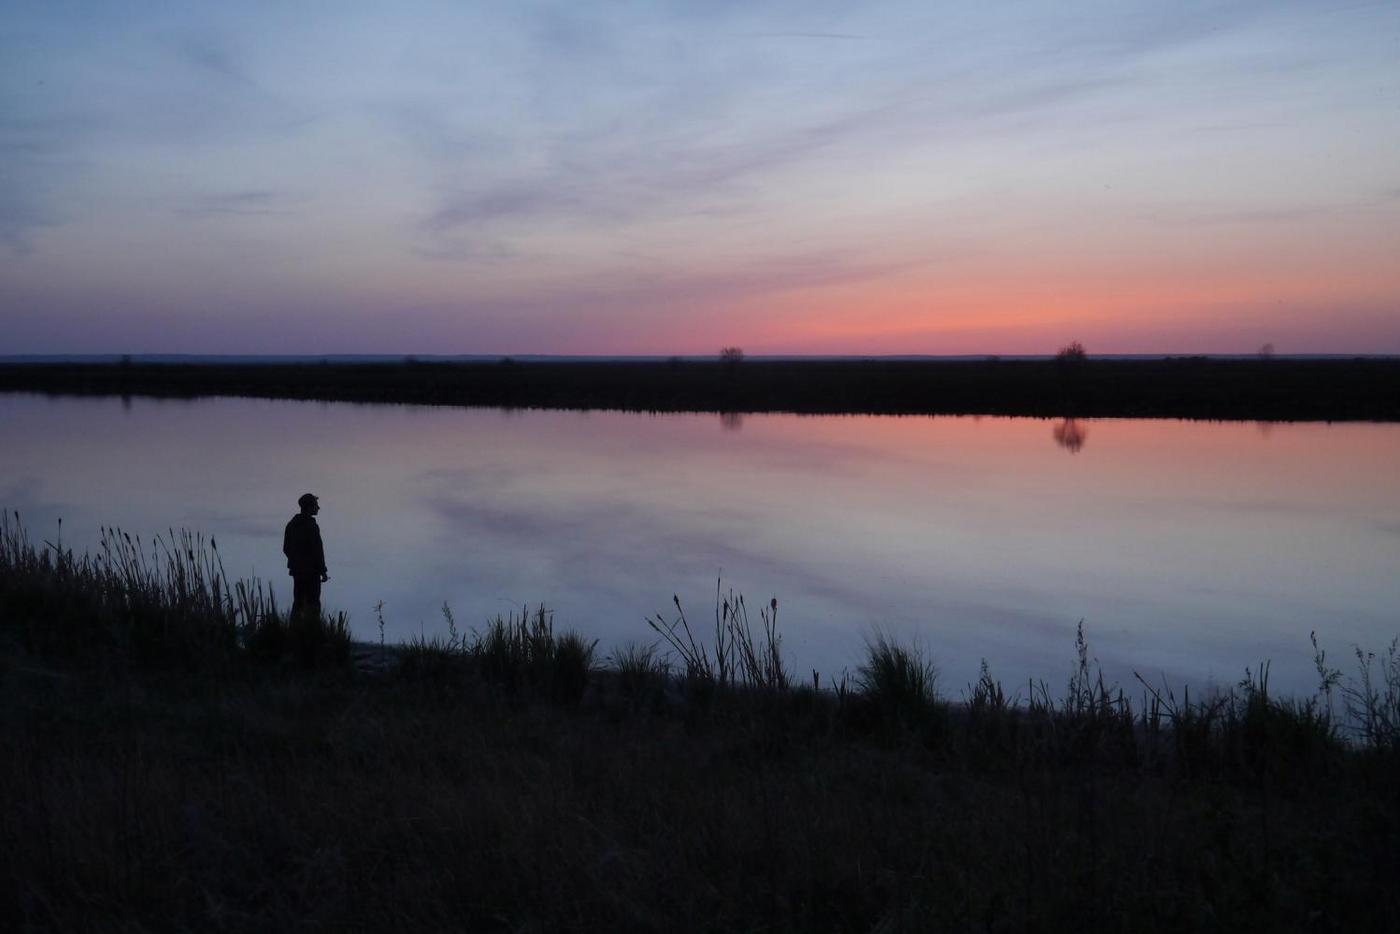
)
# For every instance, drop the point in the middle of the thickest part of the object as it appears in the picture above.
(309, 504)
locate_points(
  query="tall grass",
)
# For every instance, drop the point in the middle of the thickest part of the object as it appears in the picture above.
(523, 651)
(515, 653)
(168, 602)
(1373, 701)
(163, 603)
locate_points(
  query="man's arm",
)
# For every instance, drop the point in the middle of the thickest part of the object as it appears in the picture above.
(320, 552)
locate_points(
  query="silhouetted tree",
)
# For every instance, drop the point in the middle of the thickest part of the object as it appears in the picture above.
(1266, 352)
(1073, 352)
(731, 355)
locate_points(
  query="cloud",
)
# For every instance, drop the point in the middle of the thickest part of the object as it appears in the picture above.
(697, 138)
(562, 31)
(256, 203)
(1200, 216)
(806, 35)
(617, 302)
(35, 153)
(763, 274)
(212, 54)
(21, 212)
(507, 201)
(659, 174)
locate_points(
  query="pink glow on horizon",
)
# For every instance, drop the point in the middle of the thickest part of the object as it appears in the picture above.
(883, 178)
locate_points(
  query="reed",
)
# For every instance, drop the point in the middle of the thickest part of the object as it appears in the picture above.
(738, 657)
(1373, 700)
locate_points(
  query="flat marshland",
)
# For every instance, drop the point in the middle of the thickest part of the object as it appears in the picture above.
(1184, 387)
(180, 755)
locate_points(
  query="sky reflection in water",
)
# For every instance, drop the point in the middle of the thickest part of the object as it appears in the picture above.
(1189, 549)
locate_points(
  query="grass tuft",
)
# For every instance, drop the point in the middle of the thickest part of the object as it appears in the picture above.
(897, 682)
(641, 673)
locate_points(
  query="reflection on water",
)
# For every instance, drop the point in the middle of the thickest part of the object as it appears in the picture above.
(1070, 434)
(1187, 548)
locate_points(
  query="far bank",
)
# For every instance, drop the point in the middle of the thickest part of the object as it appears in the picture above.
(1362, 389)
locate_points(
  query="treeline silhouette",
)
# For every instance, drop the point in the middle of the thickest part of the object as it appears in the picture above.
(1182, 387)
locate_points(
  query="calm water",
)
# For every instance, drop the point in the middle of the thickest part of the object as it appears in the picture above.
(1189, 550)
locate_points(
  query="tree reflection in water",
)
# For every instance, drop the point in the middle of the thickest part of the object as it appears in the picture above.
(1070, 434)
(731, 421)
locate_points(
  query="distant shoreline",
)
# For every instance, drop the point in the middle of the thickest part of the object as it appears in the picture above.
(1224, 388)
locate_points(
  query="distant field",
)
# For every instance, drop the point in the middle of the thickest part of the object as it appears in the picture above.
(1188, 387)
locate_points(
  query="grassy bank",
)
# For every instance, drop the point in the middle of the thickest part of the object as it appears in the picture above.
(180, 756)
(1367, 389)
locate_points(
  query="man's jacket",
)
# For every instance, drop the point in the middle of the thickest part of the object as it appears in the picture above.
(301, 543)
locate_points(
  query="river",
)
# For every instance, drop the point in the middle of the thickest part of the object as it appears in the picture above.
(1188, 549)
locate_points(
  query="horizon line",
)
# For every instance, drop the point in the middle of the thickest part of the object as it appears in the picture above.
(637, 358)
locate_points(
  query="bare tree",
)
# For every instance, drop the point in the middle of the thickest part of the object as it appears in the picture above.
(731, 355)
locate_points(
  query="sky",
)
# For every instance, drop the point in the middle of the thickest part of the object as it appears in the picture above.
(673, 177)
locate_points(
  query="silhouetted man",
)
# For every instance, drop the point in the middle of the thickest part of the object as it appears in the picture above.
(306, 559)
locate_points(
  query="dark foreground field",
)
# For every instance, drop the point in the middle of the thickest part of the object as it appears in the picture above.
(180, 756)
(273, 803)
(1367, 389)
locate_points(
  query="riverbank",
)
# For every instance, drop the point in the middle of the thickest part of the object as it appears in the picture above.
(180, 755)
(1187, 387)
(142, 802)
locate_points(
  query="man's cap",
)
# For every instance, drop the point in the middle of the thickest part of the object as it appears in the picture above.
(307, 499)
